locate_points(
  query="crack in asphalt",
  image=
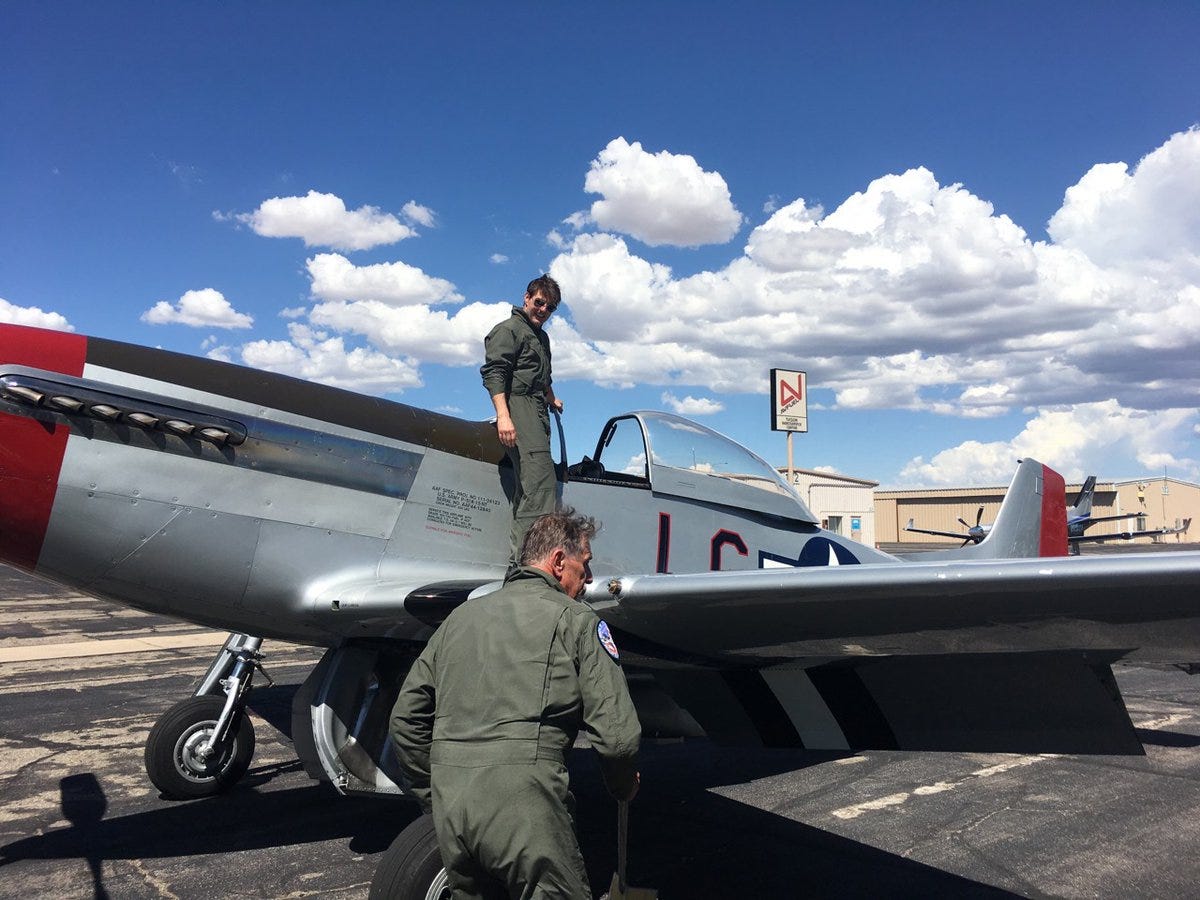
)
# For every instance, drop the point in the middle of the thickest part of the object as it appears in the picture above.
(147, 878)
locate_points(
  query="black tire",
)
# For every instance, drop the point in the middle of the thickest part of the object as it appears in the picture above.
(411, 868)
(171, 761)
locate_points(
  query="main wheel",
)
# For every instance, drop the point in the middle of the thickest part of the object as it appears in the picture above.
(174, 760)
(411, 868)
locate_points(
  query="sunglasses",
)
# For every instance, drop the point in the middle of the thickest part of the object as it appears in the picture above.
(543, 303)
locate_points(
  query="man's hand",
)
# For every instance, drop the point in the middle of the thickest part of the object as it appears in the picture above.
(506, 430)
(556, 405)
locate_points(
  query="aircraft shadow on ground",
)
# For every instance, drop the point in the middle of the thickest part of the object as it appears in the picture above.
(686, 841)
(274, 705)
(1167, 738)
(243, 819)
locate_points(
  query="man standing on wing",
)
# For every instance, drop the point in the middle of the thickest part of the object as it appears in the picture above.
(490, 708)
(516, 374)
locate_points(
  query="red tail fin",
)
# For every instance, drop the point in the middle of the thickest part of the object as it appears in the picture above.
(1032, 520)
(1053, 540)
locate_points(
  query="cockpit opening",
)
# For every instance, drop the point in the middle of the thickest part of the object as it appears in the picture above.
(674, 455)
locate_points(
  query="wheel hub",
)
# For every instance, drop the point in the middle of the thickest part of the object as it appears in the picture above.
(192, 760)
(439, 888)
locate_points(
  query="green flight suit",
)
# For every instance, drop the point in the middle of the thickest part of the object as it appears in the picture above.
(482, 725)
(517, 364)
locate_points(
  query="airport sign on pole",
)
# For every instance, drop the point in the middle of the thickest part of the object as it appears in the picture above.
(789, 400)
(789, 408)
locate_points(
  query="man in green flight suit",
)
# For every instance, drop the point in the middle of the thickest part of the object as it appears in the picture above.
(489, 709)
(516, 374)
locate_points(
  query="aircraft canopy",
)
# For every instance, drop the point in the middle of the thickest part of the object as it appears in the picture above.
(691, 460)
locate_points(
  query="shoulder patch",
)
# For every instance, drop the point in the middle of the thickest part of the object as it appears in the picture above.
(606, 639)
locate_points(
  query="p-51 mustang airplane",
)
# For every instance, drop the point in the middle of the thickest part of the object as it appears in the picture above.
(264, 505)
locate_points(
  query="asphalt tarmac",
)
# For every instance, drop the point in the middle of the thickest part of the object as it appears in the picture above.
(82, 681)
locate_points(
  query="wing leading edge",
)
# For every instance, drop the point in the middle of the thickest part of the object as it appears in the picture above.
(1137, 606)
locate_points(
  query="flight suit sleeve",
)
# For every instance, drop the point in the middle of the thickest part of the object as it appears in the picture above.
(609, 717)
(411, 726)
(500, 349)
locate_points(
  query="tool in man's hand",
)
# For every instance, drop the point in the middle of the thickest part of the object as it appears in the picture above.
(619, 890)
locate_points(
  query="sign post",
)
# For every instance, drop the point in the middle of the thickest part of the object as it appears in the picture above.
(789, 406)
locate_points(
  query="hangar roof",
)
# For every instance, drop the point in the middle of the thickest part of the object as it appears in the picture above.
(830, 476)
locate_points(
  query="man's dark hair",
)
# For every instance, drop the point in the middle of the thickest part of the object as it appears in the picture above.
(547, 287)
(562, 528)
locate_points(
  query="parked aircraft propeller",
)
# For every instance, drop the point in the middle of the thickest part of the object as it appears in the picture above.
(975, 533)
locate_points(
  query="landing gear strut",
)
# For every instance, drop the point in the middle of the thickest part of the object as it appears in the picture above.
(203, 745)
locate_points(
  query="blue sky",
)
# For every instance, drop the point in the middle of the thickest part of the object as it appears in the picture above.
(976, 225)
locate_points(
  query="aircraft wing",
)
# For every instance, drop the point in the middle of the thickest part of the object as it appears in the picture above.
(950, 534)
(1180, 528)
(1120, 535)
(1092, 520)
(1144, 606)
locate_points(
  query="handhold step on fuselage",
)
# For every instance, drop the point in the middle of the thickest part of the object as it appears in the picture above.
(433, 602)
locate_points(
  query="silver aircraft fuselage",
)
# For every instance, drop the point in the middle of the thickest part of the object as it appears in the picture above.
(257, 503)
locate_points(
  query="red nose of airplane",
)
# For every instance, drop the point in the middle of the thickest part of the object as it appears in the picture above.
(31, 449)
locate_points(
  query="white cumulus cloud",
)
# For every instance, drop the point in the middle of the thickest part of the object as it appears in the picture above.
(398, 284)
(1143, 218)
(659, 198)
(322, 220)
(1076, 441)
(205, 308)
(32, 316)
(421, 215)
(692, 406)
(387, 305)
(416, 331)
(909, 294)
(912, 294)
(316, 356)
